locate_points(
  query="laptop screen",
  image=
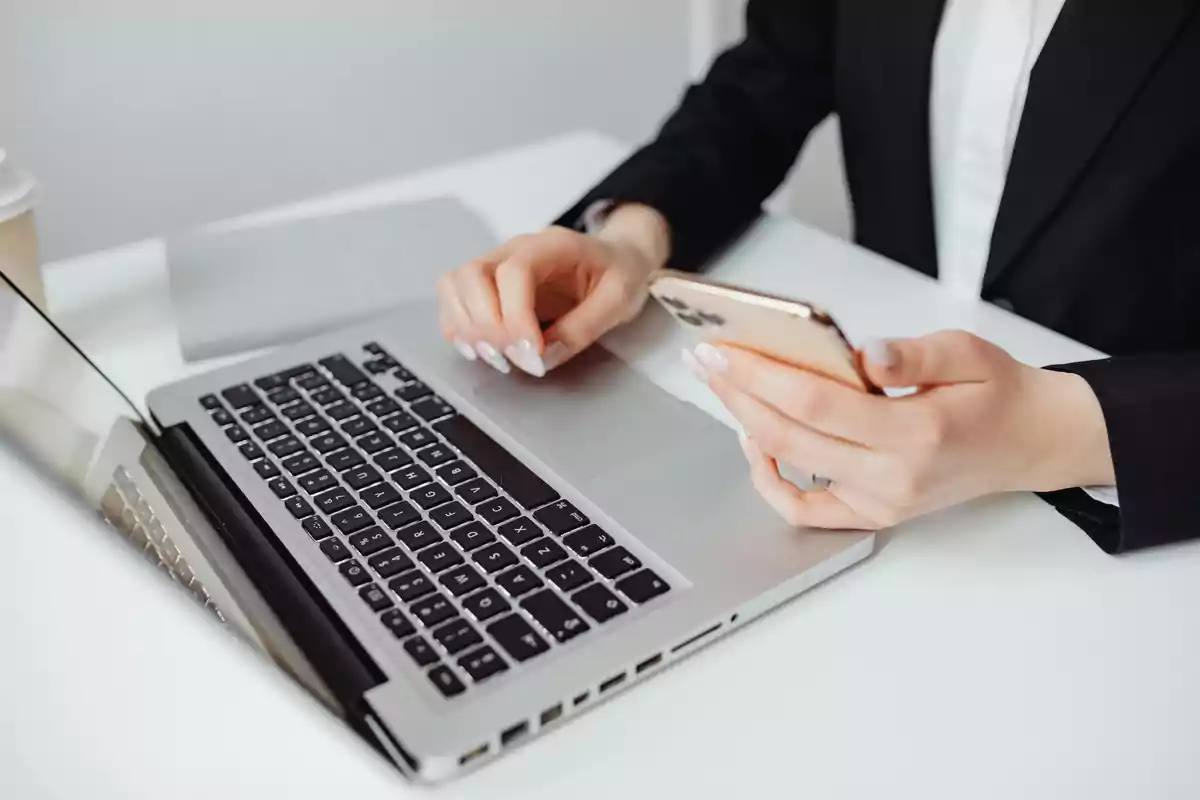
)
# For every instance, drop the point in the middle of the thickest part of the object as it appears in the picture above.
(54, 403)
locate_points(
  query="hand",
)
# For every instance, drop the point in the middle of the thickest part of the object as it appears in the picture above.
(979, 423)
(493, 306)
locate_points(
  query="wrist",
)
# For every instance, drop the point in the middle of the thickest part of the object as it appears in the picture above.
(1074, 447)
(639, 229)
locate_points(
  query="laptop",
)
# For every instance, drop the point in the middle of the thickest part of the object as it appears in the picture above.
(452, 560)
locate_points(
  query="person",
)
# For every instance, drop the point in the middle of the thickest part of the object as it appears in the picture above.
(1041, 154)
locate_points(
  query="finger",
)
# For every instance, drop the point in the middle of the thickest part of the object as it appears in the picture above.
(817, 509)
(453, 318)
(934, 360)
(600, 312)
(818, 402)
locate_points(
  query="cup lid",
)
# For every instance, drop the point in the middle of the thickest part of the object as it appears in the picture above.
(18, 189)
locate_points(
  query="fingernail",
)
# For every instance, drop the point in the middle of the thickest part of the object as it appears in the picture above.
(493, 357)
(554, 355)
(466, 350)
(711, 358)
(879, 352)
(693, 366)
(525, 356)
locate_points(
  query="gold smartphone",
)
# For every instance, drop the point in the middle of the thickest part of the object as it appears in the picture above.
(786, 330)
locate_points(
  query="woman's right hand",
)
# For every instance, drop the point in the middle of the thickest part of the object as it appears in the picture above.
(493, 307)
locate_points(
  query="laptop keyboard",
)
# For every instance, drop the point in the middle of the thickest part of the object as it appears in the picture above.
(469, 558)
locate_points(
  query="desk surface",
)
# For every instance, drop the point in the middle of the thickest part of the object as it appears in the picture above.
(987, 651)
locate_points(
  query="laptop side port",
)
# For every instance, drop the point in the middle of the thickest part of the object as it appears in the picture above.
(580, 699)
(514, 733)
(696, 638)
(615, 680)
(478, 752)
(551, 714)
(650, 663)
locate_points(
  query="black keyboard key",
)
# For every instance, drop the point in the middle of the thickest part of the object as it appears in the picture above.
(358, 426)
(496, 510)
(436, 455)
(317, 482)
(282, 488)
(561, 517)
(494, 558)
(266, 469)
(519, 531)
(413, 391)
(399, 423)
(375, 597)
(375, 348)
(417, 438)
(373, 442)
(417, 536)
(486, 604)
(554, 615)
(282, 448)
(250, 451)
(271, 382)
(341, 410)
(301, 463)
(403, 375)
(362, 477)
(615, 563)
(283, 396)
(392, 459)
(397, 623)
(482, 664)
(517, 637)
(411, 477)
(599, 603)
(475, 491)
(439, 557)
(380, 495)
(210, 402)
(450, 515)
(430, 496)
(382, 407)
(270, 430)
(334, 501)
(311, 382)
(431, 408)
(312, 426)
(236, 434)
(342, 370)
(501, 466)
(421, 651)
(354, 572)
(642, 586)
(334, 550)
(240, 396)
(446, 681)
(344, 459)
(411, 585)
(327, 442)
(543, 553)
(328, 397)
(569, 575)
(455, 472)
(519, 581)
(433, 610)
(376, 366)
(351, 520)
(256, 414)
(222, 417)
(471, 536)
(298, 507)
(457, 635)
(365, 392)
(390, 563)
(398, 515)
(370, 541)
(317, 529)
(462, 580)
(297, 410)
(589, 541)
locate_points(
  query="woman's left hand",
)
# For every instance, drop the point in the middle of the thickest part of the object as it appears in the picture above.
(979, 423)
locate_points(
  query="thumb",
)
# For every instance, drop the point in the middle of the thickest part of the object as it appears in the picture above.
(939, 358)
(575, 331)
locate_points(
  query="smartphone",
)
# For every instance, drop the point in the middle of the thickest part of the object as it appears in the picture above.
(786, 330)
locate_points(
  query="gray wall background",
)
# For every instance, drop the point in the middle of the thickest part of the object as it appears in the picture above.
(144, 116)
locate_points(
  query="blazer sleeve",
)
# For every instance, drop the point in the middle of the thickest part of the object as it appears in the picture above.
(735, 135)
(1151, 405)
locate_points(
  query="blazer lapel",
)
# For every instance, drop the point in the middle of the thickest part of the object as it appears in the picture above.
(1097, 58)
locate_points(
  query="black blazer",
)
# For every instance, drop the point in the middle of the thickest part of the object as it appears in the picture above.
(1098, 232)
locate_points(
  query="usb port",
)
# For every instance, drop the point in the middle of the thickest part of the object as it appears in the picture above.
(551, 714)
(611, 682)
(512, 734)
(649, 663)
(580, 699)
(478, 752)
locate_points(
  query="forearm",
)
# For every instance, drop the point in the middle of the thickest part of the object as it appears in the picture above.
(1069, 422)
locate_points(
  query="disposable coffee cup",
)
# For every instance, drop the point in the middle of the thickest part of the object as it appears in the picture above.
(18, 234)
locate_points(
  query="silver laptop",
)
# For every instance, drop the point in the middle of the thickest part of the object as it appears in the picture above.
(453, 560)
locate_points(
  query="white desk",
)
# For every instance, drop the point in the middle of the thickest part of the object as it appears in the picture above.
(989, 651)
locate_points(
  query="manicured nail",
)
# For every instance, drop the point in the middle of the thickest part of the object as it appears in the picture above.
(526, 357)
(554, 355)
(466, 350)
(711, 358)
(493, 357)
(880, 352)
(693, 366)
